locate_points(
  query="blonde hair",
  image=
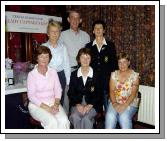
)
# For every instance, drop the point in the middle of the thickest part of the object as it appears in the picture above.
(54, 24)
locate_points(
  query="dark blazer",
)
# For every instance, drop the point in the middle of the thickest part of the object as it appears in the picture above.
(77, 90)
(103, 62)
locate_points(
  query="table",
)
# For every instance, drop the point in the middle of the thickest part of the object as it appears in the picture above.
(13, 89)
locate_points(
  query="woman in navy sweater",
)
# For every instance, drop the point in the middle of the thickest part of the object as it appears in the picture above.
(83, 92)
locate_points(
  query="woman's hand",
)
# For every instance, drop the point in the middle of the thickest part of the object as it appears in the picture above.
(87, 108)
(54, 109)
(116, 106)
(48, 109)
(120, 107)
(80, 108)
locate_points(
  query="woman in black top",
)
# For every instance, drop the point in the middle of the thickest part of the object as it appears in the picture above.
(104, 60)
(83, 92)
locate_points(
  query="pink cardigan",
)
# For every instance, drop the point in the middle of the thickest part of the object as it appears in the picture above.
(43, 88)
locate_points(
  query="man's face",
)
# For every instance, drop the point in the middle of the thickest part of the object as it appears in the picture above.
(74, 20)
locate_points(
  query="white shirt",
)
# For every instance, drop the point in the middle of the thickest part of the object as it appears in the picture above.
(73, 42)
(60, 59)
(84, 78)
(99, 47)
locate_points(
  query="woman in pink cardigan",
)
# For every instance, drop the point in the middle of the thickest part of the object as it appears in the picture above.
(44, 93)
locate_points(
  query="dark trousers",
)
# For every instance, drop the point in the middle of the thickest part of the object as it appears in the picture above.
(103, 83)
(62, 80)
(105, 100)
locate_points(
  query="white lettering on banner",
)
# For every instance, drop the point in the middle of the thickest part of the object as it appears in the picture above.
(30, 23)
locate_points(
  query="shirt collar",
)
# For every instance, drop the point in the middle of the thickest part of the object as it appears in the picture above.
(49, 45)
(95, 43)
(35, 69)
(74, 31)
(90, 73)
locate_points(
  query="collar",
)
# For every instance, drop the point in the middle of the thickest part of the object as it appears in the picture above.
(90, 73)
(49, 44)
(74, 31)
(95, 43)
(35, 69)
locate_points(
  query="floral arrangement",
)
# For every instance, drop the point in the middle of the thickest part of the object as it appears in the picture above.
(21, 66)
(8, 63)
(20, 71)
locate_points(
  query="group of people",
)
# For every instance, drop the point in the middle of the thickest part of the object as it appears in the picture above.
(75, 78)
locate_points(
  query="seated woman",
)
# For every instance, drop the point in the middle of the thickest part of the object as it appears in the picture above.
(124, 84)
(83, 92)
(44, 93)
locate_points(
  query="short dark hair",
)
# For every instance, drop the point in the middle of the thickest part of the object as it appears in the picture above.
(99, 22)
(83, 51)
(74, 11)
(42, 50)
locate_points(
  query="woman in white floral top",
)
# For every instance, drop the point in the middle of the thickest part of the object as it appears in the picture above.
(124, 84)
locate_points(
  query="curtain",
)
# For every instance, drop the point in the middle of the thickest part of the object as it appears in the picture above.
(131, 28)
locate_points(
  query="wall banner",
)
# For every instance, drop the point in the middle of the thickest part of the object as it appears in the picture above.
(29, 23)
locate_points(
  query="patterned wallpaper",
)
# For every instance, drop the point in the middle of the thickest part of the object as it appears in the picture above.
(131, 28)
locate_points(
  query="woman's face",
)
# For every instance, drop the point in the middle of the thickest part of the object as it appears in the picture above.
(53, 33)
(123, 64)
(98, 30)
(85, 60)
(43, 60)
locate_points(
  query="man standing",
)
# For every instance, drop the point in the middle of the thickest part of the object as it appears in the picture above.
(74, 39)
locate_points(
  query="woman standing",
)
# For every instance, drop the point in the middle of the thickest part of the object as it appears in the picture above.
(104, 59)
(44, 93)
(60, 59)
(124, 85)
